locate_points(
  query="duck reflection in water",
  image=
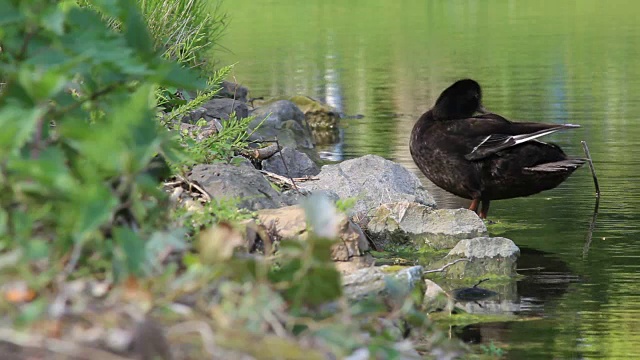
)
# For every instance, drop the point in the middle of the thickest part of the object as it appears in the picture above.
(481, 156)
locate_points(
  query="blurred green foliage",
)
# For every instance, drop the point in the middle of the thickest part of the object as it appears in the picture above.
(79, 131)
(86, 103)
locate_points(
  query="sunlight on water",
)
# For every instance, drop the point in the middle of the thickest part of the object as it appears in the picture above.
(540, 61)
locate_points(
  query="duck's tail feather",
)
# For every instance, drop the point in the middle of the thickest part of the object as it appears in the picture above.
(558, 166)
(497, 142)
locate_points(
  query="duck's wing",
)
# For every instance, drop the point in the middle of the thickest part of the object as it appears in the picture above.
(494, 133)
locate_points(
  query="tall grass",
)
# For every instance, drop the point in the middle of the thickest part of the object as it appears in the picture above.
(187, 31)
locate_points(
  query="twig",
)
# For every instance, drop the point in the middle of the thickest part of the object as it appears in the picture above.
(286, 168)
(593, 170)
(531, 269)
(592, 226)
(195, 186)
(285, 180)
(73, 261)
(173, 183)
(480, 282)
(445, 266)
(65, 348)
(37, 138)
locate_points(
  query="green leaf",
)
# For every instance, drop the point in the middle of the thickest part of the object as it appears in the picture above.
(176, 76)
(9, 14)
(53, 19)
(135, 30)
(17, 124)
(41, 84)
(32, 311)
(37, 249)
(93, 207)
(134, 250)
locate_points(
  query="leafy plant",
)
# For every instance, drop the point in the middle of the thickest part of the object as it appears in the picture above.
(492, 350)
(79, 131)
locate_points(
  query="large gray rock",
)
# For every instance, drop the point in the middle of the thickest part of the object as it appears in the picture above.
(372, 281)
(410, 222)
(373, 180)
(225, 181)
(298, 163)
(217, 108)
(221, 108)
(487, 256)
(284, 120)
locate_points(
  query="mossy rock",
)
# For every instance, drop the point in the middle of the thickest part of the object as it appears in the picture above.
(319, 115)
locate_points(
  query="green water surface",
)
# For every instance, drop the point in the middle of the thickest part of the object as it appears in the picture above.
(550, 61)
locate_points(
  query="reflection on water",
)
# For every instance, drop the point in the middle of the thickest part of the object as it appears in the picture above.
(544, 61)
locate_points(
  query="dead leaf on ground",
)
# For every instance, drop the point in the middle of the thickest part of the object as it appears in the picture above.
(18, 292)
(219, 242)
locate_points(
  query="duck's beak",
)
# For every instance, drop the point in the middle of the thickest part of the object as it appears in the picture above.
(483, 110)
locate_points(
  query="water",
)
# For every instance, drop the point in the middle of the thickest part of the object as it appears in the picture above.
(545, 61)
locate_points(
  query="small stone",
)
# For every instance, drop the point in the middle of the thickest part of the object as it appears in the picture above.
(372, 281)
(487, 256)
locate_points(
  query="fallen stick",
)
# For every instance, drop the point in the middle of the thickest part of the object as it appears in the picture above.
(445, 266)
(191, 184)
(286, 168)
(262, 153)
(593, 170)
(286, 180)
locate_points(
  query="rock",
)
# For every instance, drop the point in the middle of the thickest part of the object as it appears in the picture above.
(487, 255)
(326, 136)
(233, 90)
(294, 197)
(193, 116)
(201, 131)
(298, 163)
(435, 298)
(221, 108)
(290, 223)
(283, 119)
(221, 181)
(410, 222)
(356, 263)
(373, 180)
(372, 281)
(507, 301)
(318, 114)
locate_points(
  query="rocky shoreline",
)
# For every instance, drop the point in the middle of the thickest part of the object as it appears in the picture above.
(391, 208)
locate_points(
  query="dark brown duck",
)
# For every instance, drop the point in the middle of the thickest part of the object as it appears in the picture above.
(482, 156)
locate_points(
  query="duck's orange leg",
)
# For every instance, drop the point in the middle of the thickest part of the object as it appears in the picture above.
(474, 205)
(485, 209)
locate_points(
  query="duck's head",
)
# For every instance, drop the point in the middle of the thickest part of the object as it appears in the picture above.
(459, 101)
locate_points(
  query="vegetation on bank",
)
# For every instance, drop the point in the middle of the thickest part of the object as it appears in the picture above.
(94, 257)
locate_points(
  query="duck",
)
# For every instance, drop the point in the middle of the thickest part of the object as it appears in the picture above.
(478, 155)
